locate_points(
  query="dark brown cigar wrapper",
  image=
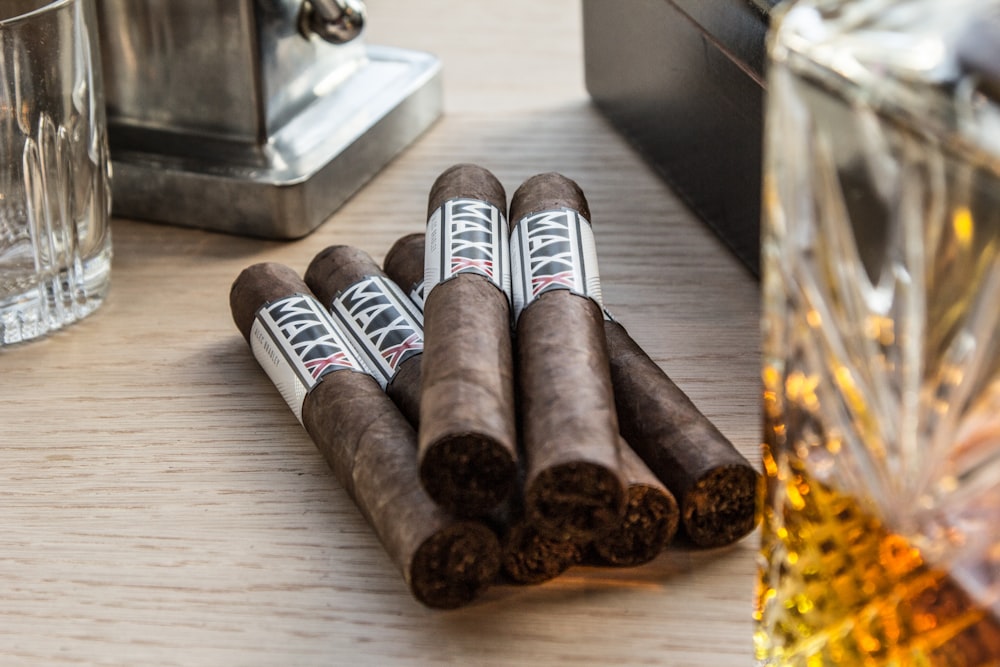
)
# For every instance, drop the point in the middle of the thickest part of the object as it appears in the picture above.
(404, 264)
(650, 522)
(467, 435)
(370, 447)
(574, 488)
(338, 268)
(528, 556)
(695, 479)
(715, 486)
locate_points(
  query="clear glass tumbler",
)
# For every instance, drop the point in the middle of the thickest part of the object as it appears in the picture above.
(881, 335)
(55, 196)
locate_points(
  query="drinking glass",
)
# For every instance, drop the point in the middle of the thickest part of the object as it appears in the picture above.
(55, 196)
(881, 335)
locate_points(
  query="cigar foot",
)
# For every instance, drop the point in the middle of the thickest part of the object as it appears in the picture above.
(715, 486)
(651, 518)
(575, 501)
(531, 558)
(468, 474)
(721, 507)
(455, 565)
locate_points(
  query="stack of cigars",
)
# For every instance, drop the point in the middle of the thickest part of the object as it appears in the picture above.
(491, 421)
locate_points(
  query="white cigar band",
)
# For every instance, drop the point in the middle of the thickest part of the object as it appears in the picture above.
(297, 343)
(553, 250)
(467, 236)
(384, 325)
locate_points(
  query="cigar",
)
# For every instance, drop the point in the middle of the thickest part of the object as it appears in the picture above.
(650, 522)
(574, 488)
(468, 435)
(382, 322)
(404, 265)
(715, 486)
(527, 556)
(446, 562)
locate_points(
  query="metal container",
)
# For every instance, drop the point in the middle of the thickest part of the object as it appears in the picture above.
(237, 116)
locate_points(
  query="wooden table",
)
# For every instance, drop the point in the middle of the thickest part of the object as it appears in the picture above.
(160, 504)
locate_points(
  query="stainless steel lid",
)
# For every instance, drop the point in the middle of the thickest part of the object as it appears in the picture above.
(254, 117)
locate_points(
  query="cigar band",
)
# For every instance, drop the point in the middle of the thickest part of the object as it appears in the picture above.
(467, 236)
(384, 325)
(553, 250)
(297, 343)
(417, 296)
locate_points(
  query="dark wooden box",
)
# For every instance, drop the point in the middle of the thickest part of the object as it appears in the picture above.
(682, 80)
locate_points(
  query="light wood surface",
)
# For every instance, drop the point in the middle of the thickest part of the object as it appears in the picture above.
(160, 504)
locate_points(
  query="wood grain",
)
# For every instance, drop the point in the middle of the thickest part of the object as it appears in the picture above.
(162, 506)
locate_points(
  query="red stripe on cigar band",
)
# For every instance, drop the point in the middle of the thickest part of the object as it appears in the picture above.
(383, 324)
(297, 343)
(553, 250)
(467, 236)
